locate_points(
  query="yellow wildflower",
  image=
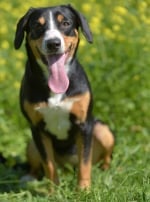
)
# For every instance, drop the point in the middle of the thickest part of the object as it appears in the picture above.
(145, 19)
(109, 33)
(5, 44)
(142, 6)
(82, 42)
(20, 55)
(19, 64)
(2, 62)
(3, 76)
(95, 24)
(118, 19)
(120, 38)
(136, 77)
(121, 10)
(17, 85)
(86, 7)
(3, 29)
(88, 58)
(93, 50)
(134, 20)
(116, 27)
(5, 6)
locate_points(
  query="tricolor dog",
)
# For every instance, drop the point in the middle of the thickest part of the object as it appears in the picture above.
(55, 95)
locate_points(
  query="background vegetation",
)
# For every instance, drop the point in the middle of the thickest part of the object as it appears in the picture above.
(118, 66)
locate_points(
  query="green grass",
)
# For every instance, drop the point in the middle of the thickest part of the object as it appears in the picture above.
(118, 67)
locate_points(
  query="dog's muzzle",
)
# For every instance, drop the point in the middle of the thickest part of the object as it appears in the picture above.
(53, 45)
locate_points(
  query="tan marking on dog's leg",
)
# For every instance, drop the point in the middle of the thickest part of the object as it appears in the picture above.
(107, 160)
(34, 159)
(103, 144)
(50, 164)
(85, 166)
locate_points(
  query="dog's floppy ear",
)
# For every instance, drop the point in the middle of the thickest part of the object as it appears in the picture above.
(83, 24)
(21, 26)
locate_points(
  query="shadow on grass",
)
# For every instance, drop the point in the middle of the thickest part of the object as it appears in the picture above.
(10, 182)
(11, 179)
(11, 171)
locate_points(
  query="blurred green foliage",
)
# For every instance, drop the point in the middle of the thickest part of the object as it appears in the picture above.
(117, 64)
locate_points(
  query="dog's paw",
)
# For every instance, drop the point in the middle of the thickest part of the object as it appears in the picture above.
(27, 178)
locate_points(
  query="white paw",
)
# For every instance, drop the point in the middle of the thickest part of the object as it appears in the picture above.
(27, 178)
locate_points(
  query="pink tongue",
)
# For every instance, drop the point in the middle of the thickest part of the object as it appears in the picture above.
(58, 80)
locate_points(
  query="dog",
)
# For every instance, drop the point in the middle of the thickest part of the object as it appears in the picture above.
(56, 97)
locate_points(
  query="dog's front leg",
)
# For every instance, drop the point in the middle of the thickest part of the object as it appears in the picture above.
(45, 148)
(49, 164)
(84, 145)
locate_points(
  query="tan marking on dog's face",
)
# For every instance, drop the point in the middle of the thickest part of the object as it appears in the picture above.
(60, 18)
(41, 20)
(35, 46)
(71, 43)
(80, 106)
(32, 113)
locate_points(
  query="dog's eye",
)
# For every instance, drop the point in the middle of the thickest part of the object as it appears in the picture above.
(37, 30)
(37, 26)
(66, 23)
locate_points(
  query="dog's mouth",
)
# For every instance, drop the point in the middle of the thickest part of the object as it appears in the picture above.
(58, 80)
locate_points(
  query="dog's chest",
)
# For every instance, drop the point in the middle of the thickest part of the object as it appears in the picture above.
(56, 117)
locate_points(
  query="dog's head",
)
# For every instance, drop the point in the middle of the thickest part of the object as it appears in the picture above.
(52, 34)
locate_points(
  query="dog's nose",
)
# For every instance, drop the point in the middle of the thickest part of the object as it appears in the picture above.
(53, 44)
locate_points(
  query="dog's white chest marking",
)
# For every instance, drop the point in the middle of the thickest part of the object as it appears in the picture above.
(56, 116)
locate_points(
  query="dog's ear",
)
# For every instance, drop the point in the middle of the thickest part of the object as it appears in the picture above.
(83, 24)
(21, 26)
